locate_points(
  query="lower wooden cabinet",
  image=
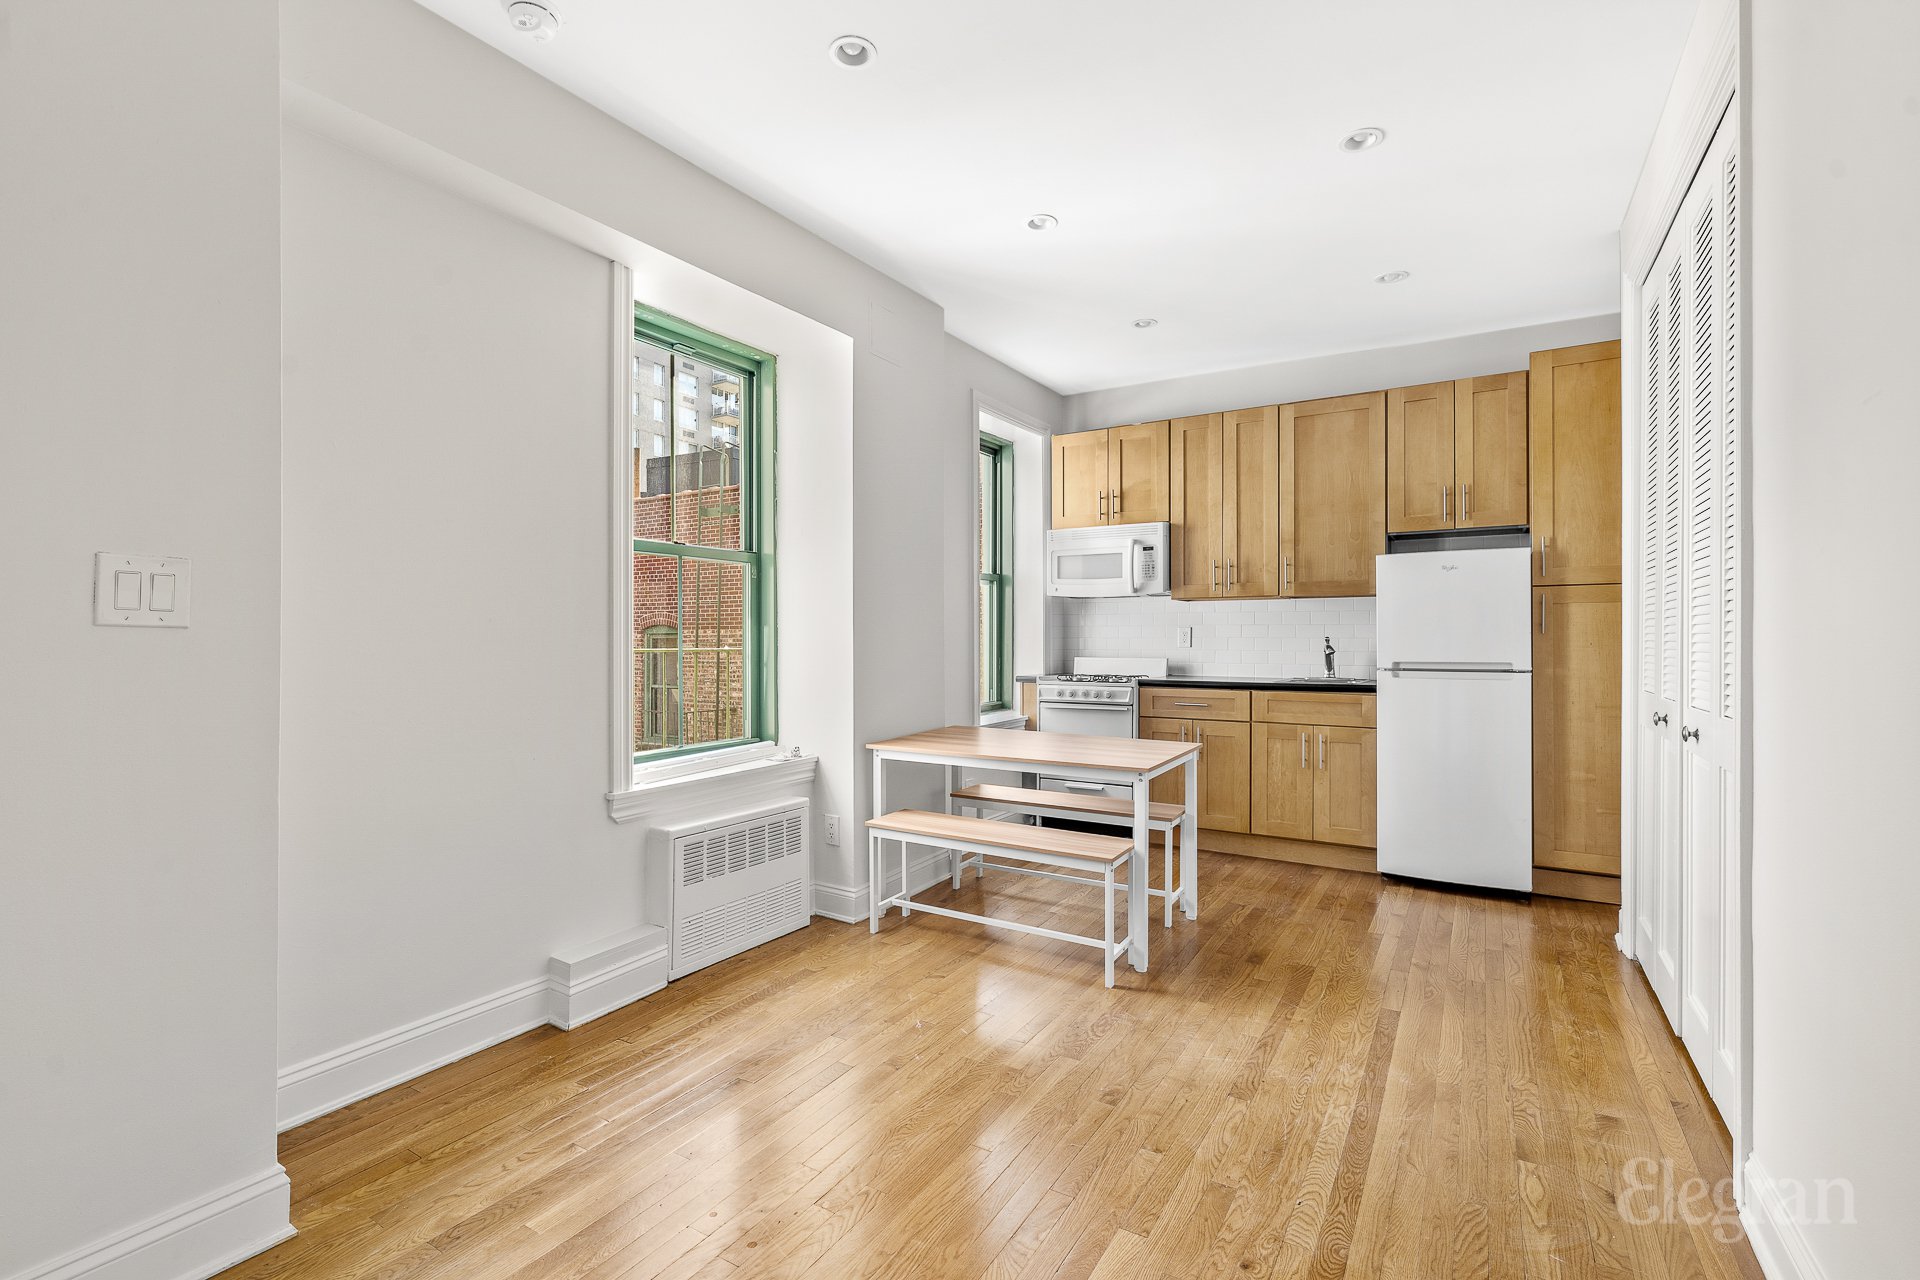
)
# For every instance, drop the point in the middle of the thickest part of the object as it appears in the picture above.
(1224, 769)
(1315, 782)
(1576, 729)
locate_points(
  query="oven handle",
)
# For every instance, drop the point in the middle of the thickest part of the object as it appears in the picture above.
(1071, 785)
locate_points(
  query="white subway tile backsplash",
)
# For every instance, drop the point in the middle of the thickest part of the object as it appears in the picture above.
(1230, 637)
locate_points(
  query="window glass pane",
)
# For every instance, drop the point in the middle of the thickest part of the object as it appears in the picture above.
(656, 652)
(708, 404)
(652, 441)
(713, 630)
(989, 644)
(983, 485)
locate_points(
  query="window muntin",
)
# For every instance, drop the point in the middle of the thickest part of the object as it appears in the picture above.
(702, 578)
(993, 485)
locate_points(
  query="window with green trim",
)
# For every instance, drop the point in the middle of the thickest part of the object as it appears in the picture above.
(703, 605)
(994, 482)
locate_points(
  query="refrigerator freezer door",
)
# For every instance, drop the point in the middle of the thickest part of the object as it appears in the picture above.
(1456, 777)
(1438, 607)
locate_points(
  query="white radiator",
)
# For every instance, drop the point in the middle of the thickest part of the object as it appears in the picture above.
(738, 881)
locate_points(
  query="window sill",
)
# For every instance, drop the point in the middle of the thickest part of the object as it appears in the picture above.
(658, 796)
(1008, 719)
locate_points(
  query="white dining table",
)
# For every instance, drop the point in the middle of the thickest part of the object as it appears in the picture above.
(1133, 762)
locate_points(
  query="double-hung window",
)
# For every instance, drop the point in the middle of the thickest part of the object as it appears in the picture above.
(994, 493)
(703, 602)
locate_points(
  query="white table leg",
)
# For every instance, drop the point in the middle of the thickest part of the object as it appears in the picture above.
(873, 878)
(952, 774)
(875, 891)
(1190, 842)
(1137, 880)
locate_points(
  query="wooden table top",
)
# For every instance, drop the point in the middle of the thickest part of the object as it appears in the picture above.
(1024, 747)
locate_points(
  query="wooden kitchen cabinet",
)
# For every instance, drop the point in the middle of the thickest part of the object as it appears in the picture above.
(1115, 476)
(1333, 494)
(1315, 782)
(1490, 451)
(1079, 479)
(1137, 475)
(1574, 471)
(1223, 770)
(1250, 501)
(1193, 451)
(1224, 472)
(1576, 729)
(1283, 781)
(1420, 450)
(1457, 455)
(1183, 703)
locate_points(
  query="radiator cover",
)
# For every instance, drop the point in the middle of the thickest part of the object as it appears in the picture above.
(738, 881)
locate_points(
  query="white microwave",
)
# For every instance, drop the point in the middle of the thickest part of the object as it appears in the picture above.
(1109, 560)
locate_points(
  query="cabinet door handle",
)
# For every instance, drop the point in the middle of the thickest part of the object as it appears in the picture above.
(1303, 748)
(1446, 492)
(1103, 504)
(1687, 733)
(1192, 704)
(1229, 570)
(1466, 502)
(1323, 751)
(1115, 494)
(1543, 613)
(1216, 575)
(1543, 557)
(1288, 561)
(1659, 718)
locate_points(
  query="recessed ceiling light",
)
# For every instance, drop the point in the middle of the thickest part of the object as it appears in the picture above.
(853, 51)
(1363, 139)
(1042, 222)
(535, 20)
(1391, 277)
(1145, 323)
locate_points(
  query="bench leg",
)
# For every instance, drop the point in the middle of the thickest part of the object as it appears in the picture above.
(873, 883)
(1167, 898)
(1107, 890)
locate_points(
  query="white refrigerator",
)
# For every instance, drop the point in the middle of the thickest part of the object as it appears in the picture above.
(1456, 717)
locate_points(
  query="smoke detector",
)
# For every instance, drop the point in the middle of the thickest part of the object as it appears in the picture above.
(534, 20)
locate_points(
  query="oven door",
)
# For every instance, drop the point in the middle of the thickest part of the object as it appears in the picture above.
(1095, 721)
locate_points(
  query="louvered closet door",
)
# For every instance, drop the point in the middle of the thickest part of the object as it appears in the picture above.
(1688, 551)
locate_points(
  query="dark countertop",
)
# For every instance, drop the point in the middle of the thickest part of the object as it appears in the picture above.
(1263, 682)
(1249, 682)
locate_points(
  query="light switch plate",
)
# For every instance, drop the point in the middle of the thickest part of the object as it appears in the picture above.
(141, 591)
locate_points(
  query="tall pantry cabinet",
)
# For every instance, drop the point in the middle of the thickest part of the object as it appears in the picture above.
(1574, 473)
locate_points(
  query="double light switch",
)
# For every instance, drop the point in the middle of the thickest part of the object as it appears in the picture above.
(140, 591)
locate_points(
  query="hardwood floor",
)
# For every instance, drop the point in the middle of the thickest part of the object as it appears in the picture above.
(1327, 1076)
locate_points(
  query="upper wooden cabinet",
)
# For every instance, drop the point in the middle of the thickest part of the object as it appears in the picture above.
(1457, 454)
(1575, 470)
(1490, 451)
(1116, 476)
(1079, 479)
(1194, 478)
(1137, 475)
(1420, 444)
(1225, 472)
(1333, 501)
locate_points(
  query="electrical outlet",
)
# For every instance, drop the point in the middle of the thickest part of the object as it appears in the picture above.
(1185, 637)
(833, 830)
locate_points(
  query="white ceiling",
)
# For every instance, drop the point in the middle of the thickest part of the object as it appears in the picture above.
(1189, 151)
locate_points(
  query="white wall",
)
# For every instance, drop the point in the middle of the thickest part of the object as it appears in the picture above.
(1353, 372)
(1831, 139)
(139, 366)
(875, 494)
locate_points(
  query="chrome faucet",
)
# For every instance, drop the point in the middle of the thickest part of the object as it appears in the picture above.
(1329, 640)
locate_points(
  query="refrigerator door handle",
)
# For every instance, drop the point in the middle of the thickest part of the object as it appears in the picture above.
(1457, 668)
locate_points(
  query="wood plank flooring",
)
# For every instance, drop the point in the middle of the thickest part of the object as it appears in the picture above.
(1327, 1076)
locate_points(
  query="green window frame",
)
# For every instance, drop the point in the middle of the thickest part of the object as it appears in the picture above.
(995, 485)
(758, 716)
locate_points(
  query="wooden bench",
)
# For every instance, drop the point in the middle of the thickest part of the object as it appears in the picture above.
(1110, 810)
(978, 838)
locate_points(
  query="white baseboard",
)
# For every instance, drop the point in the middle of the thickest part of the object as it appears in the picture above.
(191, 1242)
(1778, 1239)
(577, 987)
(848, 903)
(602, 976)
